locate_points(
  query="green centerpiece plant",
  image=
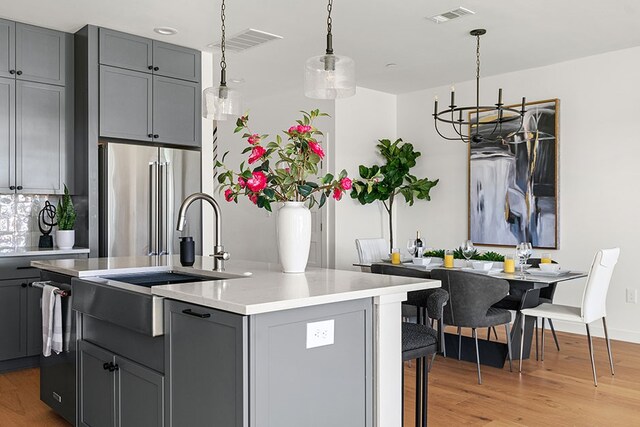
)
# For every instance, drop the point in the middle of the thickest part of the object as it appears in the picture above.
(66, 216)
(384, 183)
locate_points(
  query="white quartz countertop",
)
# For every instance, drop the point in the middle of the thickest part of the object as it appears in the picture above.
(36, 251)
(246, 287)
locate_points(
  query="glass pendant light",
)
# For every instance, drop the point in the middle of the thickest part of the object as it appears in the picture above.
(221, 101)
(329, 76)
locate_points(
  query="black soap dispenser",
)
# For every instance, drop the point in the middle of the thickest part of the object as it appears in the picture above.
(187, 251)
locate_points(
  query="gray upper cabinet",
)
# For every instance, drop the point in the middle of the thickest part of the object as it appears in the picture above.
(40, 138)
(7, 135)
(176, 61)
(13, 325)
(125, 51)
(7, 48)
(125, 104)
(176, 112)
(41, 54)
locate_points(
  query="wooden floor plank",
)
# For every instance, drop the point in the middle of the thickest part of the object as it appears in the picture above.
(558, 391)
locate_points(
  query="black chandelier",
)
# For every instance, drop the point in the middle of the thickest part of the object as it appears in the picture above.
(506, 121)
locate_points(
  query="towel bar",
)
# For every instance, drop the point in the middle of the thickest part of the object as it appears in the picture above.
(40, 285)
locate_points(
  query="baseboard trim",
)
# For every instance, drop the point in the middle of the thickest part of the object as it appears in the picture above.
(598, 331)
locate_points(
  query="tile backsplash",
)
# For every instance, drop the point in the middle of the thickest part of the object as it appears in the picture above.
(19, 219)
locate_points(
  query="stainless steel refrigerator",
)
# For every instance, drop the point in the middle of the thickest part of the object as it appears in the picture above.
(141, 189)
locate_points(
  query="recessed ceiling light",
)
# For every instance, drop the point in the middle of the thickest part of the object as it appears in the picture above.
(165, 31)
(391, 65)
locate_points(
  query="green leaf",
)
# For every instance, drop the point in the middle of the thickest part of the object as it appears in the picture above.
(323, 200)
(305, 190)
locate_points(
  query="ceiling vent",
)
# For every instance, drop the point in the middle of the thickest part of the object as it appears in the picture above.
(246, 40)
(452, 14)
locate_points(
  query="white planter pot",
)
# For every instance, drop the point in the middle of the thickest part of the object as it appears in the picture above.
(65, 239)
(294, 236)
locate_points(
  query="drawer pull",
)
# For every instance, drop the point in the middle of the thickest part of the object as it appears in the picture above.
(196, 314)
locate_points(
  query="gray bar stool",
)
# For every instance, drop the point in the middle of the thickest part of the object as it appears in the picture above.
(418, 342)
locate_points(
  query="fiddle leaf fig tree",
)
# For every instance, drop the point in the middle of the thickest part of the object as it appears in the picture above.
(385, 182)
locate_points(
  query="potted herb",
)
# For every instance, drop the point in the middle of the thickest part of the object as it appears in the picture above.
(66, 213)
(385, 182)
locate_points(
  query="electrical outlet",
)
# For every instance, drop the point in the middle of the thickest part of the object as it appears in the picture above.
(632, 296)
(320, 333)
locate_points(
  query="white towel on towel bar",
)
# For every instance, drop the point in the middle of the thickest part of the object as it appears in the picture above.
(51, 321)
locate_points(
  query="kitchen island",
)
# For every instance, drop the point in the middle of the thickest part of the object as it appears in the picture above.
(247, 346)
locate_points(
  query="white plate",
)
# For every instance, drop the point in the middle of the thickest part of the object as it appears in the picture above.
(538, 272)
(492, 271)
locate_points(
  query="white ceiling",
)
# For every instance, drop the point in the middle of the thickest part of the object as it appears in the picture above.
(521, 34)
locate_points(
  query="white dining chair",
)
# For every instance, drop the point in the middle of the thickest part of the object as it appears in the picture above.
(372, 250)
(593, 306)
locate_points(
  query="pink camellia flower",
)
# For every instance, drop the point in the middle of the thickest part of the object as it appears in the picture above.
(241, 182)
(254, 139)
(300, 128)
(256, 153)
(316, 148)
(292, 129)
(228, 195)
(345, 183)
(337, 193)
(254, 198)
(257, 182)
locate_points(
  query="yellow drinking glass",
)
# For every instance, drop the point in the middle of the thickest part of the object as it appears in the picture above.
(509, 264)
(546, 258)
(395, 256)
(448, 259)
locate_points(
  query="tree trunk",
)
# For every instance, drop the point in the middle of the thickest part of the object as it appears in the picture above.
(390, 211)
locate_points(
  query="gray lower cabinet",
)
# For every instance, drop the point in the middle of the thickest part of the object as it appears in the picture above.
(206, 364)
(176, 112)
(114, 391)
(41, 54)
(7, 135)
(125, 51)
(7, 48)
(13, 319)
(40, 138)
(126, 99)
(34, 319)
(176, 61)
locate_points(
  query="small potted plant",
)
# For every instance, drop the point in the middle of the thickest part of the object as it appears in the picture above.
(66, 213)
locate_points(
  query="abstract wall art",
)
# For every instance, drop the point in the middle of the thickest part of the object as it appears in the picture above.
(513, 184)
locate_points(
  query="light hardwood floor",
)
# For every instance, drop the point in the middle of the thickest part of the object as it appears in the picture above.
(558, 391)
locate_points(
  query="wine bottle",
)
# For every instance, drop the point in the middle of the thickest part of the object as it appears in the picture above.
(419, 246)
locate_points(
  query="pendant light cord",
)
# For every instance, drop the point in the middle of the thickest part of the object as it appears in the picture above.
(478, 83)
(223, 62)
(329, 35)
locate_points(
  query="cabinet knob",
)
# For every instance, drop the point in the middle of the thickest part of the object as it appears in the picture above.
(116, 367)
(12, 71)
(150, 135)
(19, 187)
(106, 366)
(156, 136)
(12, 187)
(150, 67)
(19, 72)
(155, 68)
(24, 285)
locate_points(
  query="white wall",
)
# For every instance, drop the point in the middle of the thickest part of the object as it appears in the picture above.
(360, 121)
(599, 154)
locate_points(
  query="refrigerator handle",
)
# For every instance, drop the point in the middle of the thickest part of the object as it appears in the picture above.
(162, 209)
(153, 208)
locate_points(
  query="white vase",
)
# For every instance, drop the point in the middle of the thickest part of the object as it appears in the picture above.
(294, 236)
(65, 239)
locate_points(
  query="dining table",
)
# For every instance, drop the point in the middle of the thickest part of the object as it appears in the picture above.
(526, 285)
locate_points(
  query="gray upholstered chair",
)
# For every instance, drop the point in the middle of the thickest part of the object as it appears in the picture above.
(471, 296)
(418, 342)
(431, 300)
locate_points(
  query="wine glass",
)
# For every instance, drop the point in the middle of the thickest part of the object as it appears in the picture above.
(523, 252)
(468, 250)
(411, 247)
(528, 251)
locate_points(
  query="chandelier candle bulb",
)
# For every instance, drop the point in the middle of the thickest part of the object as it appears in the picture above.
(453, 97)
(500, 97)
(435, 106)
